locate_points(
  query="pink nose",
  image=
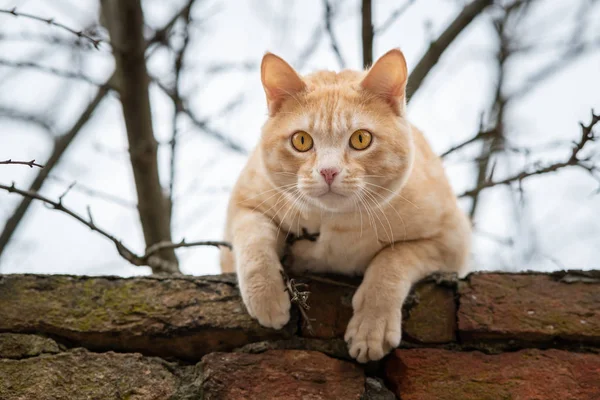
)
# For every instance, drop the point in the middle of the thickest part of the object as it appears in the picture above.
(329, 174)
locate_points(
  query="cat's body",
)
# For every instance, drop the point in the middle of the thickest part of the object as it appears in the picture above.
(384, 210)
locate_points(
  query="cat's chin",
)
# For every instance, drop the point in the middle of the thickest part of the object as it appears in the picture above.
(335, 202)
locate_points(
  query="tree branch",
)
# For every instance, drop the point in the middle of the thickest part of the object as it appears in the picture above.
(50, 21)
(125, 24)
(50, 70)
(439, 46)
(574, 159)
(200, 123)
(60, 146)
(332, 38)
(179, 56)
(149, 258)
(393, 17)
(367, 33)
(30, 164)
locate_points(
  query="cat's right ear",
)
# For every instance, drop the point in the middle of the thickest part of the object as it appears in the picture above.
(279, 80)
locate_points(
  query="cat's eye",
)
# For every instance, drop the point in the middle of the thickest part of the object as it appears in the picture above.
(302, 141)
(360, 139)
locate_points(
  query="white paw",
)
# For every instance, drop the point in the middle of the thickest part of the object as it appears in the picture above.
(373, 332)
(266, 299)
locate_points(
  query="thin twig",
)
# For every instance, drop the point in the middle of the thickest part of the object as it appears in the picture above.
(439, 46)
(482, 134)
(179, 57)
(50, 70)
(574, 159)
(96, 193)
(30, 164)
(147, 259)
(22, 116)
(199, 122)
(393, 17)
(332, 38)
(298, 296)
(50, 21)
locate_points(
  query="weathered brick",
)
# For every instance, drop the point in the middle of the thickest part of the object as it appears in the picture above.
(429, 315)
(432, 317)
(529, 308)
(16, 345)
(436, 374)
(330, 308)
(171, 317)
(82, 375)
(280, 374)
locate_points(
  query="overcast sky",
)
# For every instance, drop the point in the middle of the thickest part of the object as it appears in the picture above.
(560, 218)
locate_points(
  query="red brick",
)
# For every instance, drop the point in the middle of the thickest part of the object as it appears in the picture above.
(528, 308)
(436, 374)
(429, 317)
(432, 319)
(280, 374)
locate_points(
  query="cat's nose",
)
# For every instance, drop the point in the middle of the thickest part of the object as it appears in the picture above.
(329, 174)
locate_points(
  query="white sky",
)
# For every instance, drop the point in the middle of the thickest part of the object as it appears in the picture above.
(560, 207)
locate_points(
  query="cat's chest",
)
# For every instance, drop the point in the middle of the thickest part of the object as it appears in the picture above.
(343, 245)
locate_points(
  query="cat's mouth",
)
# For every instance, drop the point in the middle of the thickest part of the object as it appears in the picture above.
(330, 192)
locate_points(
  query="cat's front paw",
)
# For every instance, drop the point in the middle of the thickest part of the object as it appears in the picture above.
(265, 298)
(372, 333)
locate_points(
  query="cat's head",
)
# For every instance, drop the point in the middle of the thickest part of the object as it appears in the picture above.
(337, 141)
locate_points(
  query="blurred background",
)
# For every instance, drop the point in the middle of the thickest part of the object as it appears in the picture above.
(166, 105)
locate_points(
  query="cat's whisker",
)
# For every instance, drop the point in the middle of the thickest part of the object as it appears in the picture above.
(394, 193)
(267, 199)
(284, 203)
(265, 192)
(360, 213)
(369, 213)
(391, 232)
(291, 207)
(388, 204)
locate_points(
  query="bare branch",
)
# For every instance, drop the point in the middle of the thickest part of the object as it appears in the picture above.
(18, 115)
(482, 134)
(91, 192)
(393, 17)
(201, 123)
(155, 248)
(125, 24)
(309, 49)
(574, 159)
(50, 21)
(367, 33)
(332, 38)
(62, 143)
(60, 146)
(179, 56)
(50, 70)
(30, 164)
(298, 296)
(149, 258)
(439, 46)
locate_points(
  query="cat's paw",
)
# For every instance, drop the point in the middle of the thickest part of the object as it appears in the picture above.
(265, 298)
(372, 333)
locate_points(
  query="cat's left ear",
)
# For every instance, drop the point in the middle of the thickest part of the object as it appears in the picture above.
(387, 79)
(279, 80)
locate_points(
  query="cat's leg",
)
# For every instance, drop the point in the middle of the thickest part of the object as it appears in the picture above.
(255, 244)
(375, 327)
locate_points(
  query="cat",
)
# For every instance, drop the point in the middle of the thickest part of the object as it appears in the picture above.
(337, 156)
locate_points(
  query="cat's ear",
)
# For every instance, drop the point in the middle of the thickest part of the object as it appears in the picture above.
(387, 79)
(279, 80)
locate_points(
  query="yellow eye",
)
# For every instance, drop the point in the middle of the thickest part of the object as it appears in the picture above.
(360, 140)
(302, 141)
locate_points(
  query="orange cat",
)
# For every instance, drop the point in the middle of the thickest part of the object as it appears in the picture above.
(338, 157)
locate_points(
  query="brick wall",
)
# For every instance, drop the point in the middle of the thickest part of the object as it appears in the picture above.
(490, 336)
